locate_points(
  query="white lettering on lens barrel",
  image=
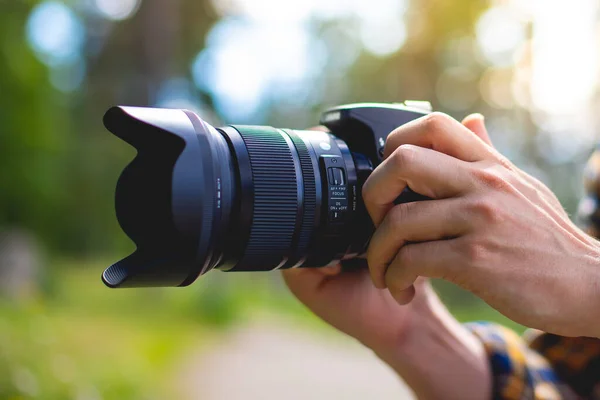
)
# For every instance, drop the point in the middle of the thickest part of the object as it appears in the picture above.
(218, 192)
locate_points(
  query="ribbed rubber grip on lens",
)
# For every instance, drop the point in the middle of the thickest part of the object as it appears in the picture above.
(275, 198)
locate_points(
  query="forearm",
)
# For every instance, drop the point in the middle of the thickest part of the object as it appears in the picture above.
(439, 358)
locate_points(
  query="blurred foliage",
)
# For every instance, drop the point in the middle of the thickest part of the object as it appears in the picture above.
(71, 349)
(83, 341)
(58, 165)
(36, 136)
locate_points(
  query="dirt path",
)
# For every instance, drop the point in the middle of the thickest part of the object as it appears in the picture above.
(269, 361)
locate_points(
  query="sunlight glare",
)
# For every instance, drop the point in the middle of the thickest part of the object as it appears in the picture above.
(383, 38)
(499, 35)
(117, 9)
(266, 50)
(55, 33)
(565, 55)
(245, 63)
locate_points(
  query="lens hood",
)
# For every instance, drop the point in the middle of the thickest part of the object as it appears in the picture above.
(169, 198)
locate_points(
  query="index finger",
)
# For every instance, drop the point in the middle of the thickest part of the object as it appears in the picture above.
(442, 133)
(425, 171)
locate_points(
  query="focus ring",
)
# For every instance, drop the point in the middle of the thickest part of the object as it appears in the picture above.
(310, 193)
(275, 198)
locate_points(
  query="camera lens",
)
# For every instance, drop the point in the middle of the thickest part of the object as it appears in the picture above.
(236, 198)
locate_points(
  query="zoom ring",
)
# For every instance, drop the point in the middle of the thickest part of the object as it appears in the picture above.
(310, 193)
(275, 198)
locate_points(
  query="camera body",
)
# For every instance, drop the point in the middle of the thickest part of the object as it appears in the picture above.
(366, 126)
(245, 198)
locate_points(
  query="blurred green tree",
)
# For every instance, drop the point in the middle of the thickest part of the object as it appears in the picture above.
(34, 137)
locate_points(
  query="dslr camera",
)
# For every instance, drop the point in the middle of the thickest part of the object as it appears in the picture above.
(246, 198)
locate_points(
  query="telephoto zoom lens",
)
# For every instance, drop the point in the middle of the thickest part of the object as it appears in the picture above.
(241, 198)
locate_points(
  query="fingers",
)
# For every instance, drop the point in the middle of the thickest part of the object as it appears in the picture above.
(430, 259)
(425, 171)
(420, 294)
(304, 281)
(330, 270)
(442, 133)
(412, 222)
(476, 124)
(311, 273)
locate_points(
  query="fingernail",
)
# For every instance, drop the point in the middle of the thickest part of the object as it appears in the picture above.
(404, 296)
(379, 283)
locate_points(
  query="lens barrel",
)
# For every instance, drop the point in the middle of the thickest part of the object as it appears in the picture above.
(236, 198)
(282, 220)
(277, 200)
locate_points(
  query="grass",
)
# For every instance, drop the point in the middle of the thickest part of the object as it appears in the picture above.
(84, 341)
(80, 340)
(56, 354)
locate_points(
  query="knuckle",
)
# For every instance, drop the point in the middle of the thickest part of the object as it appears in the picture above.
(486, 210)
(403, 156)
(493, 178)
(399, 214)
(436, 122)
(366, 192)
(476, 253)
(405, 257)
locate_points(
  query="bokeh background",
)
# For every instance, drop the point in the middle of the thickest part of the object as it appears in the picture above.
(531, 67)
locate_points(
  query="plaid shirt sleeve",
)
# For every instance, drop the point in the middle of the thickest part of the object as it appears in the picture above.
(542, 365)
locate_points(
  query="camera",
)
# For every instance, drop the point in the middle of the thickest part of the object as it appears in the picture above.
(246, 198)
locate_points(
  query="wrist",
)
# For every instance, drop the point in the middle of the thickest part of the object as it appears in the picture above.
(579, 316)
(595, 295)
(438, 357)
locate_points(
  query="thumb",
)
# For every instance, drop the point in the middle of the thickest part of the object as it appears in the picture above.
(304, 280)
(476, 124)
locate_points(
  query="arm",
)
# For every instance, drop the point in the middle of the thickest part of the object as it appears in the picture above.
(551, 366)
(440, 358)
(426, 346)
(436, 356)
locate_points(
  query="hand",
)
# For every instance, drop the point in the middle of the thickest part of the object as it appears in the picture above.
(421, 341)
(349, 302)
(490, 228)
(434, 354)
